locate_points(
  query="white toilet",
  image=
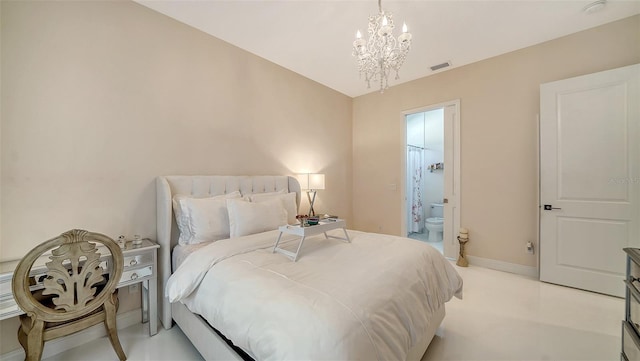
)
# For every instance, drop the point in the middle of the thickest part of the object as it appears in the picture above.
(434, 224)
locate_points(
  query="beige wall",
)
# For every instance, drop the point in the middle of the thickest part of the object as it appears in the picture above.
(499, 100)
(99, 98)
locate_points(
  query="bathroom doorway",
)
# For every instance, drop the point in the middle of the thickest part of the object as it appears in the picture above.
(431, 173)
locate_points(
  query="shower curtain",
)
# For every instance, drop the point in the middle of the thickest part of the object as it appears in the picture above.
(414, 195)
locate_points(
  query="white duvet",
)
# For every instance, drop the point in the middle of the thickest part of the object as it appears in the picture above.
(370, 299)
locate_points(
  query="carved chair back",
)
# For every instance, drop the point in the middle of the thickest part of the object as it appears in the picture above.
(74, 276)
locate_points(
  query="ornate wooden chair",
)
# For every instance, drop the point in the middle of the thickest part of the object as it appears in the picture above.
(77, 291)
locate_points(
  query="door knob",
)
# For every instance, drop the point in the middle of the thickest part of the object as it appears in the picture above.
(548, 207)
(445, 200)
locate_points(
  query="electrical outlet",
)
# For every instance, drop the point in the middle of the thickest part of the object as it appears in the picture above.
(529, 247)
(134, 288)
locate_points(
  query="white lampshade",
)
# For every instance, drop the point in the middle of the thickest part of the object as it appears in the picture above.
(316, 181)
(311, 181)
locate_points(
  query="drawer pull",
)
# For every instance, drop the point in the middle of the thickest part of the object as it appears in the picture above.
(134, 276)
(133, 262)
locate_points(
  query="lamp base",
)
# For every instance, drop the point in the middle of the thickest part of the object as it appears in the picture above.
(311, 201)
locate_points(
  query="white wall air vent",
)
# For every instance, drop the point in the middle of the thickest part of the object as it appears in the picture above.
(440, 66)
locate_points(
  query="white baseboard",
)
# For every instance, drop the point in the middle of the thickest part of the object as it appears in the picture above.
(528, 271)
(94, 332)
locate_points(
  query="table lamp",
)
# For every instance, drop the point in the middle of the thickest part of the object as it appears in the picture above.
(311, 182)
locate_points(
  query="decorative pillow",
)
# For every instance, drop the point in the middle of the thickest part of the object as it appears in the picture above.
(247, 196)
(288, 202)
(190, 214)
(248, 218)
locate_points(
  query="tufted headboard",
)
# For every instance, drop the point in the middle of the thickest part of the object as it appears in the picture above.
(201, 186)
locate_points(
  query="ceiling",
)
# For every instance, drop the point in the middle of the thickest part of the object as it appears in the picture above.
(314, 38)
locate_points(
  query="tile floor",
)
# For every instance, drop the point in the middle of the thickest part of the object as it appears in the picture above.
(502, 317)
(505, 316)
(423, 237)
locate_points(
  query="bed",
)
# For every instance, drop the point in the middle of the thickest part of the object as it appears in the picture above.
(235, 299)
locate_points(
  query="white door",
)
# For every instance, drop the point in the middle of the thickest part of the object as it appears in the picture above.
(589, 178)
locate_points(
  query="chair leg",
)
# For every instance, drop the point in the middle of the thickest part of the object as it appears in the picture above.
(110, 324)
(22, 338)
(34, 341)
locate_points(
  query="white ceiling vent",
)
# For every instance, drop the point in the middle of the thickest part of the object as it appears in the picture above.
(440, 66)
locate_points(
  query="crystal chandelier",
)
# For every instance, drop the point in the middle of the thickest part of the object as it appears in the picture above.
(382, 52)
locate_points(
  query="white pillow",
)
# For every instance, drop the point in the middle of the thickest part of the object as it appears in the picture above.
(208, 220)
(288, 202)
(248, 218)
(185, 207)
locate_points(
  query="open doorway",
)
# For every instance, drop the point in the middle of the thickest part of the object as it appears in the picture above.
(425, 176)
(431, 173)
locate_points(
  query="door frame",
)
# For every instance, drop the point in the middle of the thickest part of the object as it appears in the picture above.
(450, 247)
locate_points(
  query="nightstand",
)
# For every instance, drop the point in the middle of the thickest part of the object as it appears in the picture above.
(324, 226)
(140, 266)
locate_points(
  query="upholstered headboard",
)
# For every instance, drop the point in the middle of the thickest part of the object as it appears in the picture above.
(201, 186)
